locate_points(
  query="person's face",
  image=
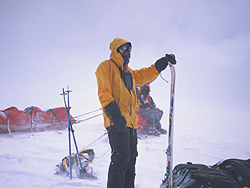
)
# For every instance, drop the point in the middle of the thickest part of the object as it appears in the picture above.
(125, 50)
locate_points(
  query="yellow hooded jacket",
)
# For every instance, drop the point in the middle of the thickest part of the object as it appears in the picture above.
(112, 88)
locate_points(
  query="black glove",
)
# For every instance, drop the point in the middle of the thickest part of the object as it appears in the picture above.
(171, 58)
(120, 123)
(113, 111)
(162, 63)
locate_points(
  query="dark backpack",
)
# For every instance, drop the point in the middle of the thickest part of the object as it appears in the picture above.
(237, 169)
(201, 176)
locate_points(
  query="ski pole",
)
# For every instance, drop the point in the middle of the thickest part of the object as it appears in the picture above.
(74, 139)
(66, 107)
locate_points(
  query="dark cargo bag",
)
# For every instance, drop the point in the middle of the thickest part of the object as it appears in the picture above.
(201, 176)
(237, 169)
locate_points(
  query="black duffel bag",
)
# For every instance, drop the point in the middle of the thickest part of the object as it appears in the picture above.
(237, 169)
(201, 176)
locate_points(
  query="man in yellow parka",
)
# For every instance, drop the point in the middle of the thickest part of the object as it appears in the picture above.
(117, 95)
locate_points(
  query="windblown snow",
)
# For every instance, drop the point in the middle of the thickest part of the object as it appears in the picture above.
(30, 159)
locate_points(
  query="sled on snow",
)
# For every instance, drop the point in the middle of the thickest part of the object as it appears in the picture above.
(33, 119)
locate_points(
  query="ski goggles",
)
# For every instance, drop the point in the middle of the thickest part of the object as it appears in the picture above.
(126, 47)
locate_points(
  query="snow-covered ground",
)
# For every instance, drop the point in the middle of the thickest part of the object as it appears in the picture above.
(29, 159)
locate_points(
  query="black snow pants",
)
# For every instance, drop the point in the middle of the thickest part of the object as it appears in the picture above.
(123, 158)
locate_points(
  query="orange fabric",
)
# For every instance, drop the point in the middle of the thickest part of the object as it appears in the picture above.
(33, 117)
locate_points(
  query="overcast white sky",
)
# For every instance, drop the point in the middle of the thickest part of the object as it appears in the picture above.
(46, 45)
